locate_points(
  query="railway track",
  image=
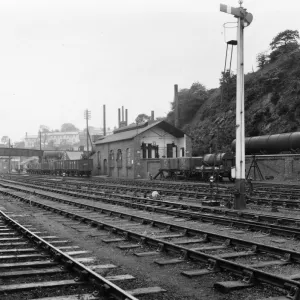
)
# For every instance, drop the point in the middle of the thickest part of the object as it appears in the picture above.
(286, 199)
(270, 223)
(34, 265)
(186, 243)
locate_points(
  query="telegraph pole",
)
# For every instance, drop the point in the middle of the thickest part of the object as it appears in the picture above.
(244, 19)
(9, 159)
(87, 116)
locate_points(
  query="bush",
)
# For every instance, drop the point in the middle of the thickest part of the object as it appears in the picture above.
(275, 97)
(258, 117)
(282, 109)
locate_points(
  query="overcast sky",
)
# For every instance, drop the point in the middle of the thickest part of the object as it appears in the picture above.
(59, 57)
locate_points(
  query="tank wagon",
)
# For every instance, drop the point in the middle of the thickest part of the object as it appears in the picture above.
(272, 144)
(215, 164)
(81, 167)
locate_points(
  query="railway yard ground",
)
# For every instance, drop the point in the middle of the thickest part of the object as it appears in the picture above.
(186, 244)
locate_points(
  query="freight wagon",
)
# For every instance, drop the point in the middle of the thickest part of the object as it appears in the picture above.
(81, 167)
(217, 165)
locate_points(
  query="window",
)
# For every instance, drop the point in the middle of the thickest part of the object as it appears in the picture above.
(111, 159)
(182, 152)
(128, 158)
(119, 158)
(144, 150)
(99, 159)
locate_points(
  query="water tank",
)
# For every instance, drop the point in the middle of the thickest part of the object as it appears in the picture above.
(271, 144)
(216, 159)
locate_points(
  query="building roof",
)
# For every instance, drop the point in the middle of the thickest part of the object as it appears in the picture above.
(31, 137)
(72, 155)
(130, 134)
(61, 133)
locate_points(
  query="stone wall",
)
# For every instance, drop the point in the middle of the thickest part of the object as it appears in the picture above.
(281, 167)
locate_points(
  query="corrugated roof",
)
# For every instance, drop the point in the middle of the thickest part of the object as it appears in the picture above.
(130, 134)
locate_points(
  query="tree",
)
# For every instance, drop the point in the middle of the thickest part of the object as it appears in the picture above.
(189, 101)
(44, 129)
(282, 39)
(261, 59)
(5, 139)
(68, 127)
(228, 84)
(160, 118)
(141, 118)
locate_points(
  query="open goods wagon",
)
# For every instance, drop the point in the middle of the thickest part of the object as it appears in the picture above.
(217, 165)
(79, 167)
(82, 167)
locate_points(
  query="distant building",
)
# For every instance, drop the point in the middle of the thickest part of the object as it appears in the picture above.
(30, 141)
(51, 138)
(63, 140)
(59, 138)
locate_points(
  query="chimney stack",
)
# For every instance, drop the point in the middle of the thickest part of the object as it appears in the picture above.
(104, 121)
(122, 113)
(126, 116)
(176, 105)
(152, 115)
(119, 117)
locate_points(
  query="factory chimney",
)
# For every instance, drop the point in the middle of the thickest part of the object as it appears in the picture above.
(104, 121)
(122, 114)
(152, 115)
(119, 117)
(176, 105)
(126, 117)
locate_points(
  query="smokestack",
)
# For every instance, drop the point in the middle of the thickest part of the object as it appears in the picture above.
(152, 115)
(119, 117)
(104, 121)
(126, 116)
(122, 113)
(176, 105)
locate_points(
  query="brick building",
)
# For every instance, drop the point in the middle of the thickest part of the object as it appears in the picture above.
(133, 151)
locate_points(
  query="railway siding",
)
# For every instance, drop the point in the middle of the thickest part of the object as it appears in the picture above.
(186, 253)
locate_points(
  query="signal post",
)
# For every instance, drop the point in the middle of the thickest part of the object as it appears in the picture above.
(244, 19)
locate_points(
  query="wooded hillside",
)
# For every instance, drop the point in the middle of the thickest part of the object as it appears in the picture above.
(272, 99)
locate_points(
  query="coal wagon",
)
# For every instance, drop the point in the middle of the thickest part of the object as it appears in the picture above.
(81, 167)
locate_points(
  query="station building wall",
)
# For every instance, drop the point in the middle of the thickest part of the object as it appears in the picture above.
(121, 168)
(157, 136)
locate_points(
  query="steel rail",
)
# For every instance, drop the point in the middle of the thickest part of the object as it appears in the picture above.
(215, 263)
(201, 215)
(215, 210)
(150, 189)
(102, 285)
(209, 194)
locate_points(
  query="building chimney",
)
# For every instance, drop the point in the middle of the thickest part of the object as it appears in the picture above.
(122, 113)
(104, 120)
(152, 115)
(126, 116)
(176, 105)
(119, 117)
